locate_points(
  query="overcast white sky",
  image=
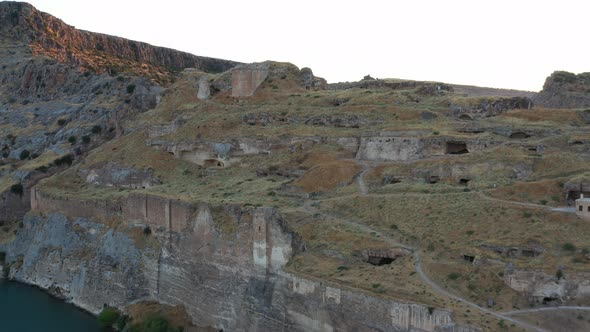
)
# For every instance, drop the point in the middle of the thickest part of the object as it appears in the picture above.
(509, 44)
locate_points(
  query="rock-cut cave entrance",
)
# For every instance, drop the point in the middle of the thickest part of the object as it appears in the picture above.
(456, 147)
(519, 135)
(378, 261)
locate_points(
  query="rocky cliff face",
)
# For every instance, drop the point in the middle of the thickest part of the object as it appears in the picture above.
(49, 36)
(226, 267)
(565, 90)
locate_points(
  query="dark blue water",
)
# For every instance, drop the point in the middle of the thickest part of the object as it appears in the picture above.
(28, 309)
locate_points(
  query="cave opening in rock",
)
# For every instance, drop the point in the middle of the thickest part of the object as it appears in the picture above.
(550, 300)
(433, 179)
(529, 253)
(465, 117)
(519, 135)
(213, 163)
(512, 252)
(469, 258)
(464, 182)
(572, 195)
(456, 147)
(378, 261)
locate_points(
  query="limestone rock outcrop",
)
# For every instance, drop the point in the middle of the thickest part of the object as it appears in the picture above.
(565, 90)
(487, 107)
(543, 288)
(246, 79)
(386, 147)
(424, 88)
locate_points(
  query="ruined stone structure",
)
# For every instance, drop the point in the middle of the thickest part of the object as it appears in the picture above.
(541, 287)
(245, 80)
(203, 152)
(406, 148)
(583, 207)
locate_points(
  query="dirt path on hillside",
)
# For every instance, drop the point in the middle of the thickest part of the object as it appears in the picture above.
(311, 208)
(361, 178)
(562, 307)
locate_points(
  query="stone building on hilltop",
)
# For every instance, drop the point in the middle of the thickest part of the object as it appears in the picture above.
(583, 207)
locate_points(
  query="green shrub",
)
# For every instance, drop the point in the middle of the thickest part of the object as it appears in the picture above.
(24, 154)
(157, 324)
(147, 231)
(86, 139)
(68, 159)
(96, 129)
(17, 189)
(568, 247)
(527, 214)
(559, 274)
(61, 122)
(130, 88)
(108, 316)
(454, 276)
(72, 140)
(564, 77)
(2, 256)
(121, 322)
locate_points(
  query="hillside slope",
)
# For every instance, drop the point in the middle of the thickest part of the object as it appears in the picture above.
(49, 36)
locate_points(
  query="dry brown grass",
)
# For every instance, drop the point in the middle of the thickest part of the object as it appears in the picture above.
(327, 176)
(543, 115)
(544, 192)
(448, 225)
(176, 315)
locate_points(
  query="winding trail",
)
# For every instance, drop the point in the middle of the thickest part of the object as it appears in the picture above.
(311, 208)
(537, 206)
(526, 311)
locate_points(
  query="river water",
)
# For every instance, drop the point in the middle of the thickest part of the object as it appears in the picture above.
(28, 309)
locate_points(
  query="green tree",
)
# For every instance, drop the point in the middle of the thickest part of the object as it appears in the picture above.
(108, 316)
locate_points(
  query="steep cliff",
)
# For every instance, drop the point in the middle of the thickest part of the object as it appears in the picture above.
(49, 36)
(225, 267)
